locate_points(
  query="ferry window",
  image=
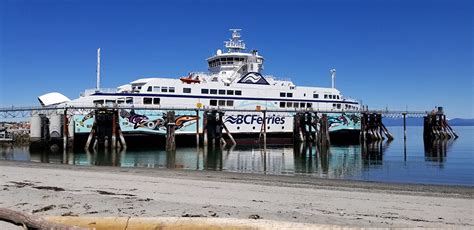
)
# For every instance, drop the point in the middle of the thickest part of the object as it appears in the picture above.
(325, 96)
(230, 103)
(186, 90)
(238, 92)
(296, 104)
(213, 91)
(315, 95)
(302, 104)
(147, 100)
(337, 96)
(149, 89)
(99, 102)
(308, 105)
(330, 96)
(282, 94)
(282, 104)
(139, 87)
(109, 102)
(129, 100)
(292, 87)
(213, 103)
(338, 106)
(230, 92)
(156, 101)
(164, 89)
(156, 89)
(204, 91)
(120, 101)
(334, 105)
(289, 104)
(304, 95)
(171, 90)
(289, 94)
(221, 102)
(221, 91)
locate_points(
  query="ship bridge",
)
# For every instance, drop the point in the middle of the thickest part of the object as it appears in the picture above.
(236, 60)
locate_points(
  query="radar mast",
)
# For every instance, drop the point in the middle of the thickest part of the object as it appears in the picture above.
(235, 44)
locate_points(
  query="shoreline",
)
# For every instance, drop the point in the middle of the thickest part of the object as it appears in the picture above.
(71, 190)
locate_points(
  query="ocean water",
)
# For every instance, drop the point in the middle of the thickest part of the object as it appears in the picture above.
(446, 162)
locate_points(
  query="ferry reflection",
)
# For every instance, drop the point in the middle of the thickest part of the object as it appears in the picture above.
(333, 162)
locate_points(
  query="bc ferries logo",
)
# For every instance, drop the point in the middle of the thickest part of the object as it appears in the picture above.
(253, 78)
(254, 119)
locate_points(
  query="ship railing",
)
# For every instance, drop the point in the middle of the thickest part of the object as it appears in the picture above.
(272, 77)
(88, 92)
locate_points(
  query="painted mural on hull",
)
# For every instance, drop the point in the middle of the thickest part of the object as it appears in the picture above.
(142, 121)
(153, 121)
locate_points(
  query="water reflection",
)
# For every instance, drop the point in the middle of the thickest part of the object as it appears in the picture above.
(333, 162)
(372, 152)
(435, 150)
(382, 161)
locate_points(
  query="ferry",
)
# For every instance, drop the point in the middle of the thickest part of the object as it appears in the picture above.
(235, 81)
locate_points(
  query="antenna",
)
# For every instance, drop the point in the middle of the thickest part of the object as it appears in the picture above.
(235, 44)
(333, 77)
(98, 69)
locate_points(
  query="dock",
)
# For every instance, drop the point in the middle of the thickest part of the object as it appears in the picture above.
(60, 125)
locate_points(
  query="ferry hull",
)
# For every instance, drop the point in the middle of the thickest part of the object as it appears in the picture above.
(153, 122)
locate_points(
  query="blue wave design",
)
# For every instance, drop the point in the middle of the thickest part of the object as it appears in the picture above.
(231, 119)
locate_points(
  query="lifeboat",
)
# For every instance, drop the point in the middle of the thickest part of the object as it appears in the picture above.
(190, 79)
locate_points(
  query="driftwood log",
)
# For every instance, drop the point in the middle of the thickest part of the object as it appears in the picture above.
(31, 221)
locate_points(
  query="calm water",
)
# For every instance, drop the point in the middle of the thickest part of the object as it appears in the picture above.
(449, 162)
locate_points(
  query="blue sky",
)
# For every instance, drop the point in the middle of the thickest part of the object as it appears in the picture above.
(395, 54)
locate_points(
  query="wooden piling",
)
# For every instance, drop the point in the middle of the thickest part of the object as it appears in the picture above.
(90, 137)
(323, 134)
(197, 127)
(229, 134)
(404, 126)
(308, 123)
(204, 127)
(264, 128)
(114, 130)
(65, 130)
(170, 131)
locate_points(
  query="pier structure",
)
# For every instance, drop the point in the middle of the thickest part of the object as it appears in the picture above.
(59, 124)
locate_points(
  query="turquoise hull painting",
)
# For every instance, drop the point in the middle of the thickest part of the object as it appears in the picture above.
(143, 121)
(153, 122)
(344, 122)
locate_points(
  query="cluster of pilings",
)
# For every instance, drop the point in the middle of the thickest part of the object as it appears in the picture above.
(212, 131)
(372, 128)
(303, 125)
(105, 131)
(435, 127)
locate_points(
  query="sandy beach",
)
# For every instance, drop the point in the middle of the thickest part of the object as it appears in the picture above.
(67, 190)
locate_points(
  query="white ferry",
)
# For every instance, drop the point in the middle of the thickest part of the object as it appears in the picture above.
(235, 81)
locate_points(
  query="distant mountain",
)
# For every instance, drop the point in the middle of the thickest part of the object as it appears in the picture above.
(461, 122)
(418, 121)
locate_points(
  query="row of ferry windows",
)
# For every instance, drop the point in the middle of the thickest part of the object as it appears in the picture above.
(164, 89)
(295, 105)
(221, 103)
(224, 61)
(326, 96)
(128, 100)
(221, 92)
